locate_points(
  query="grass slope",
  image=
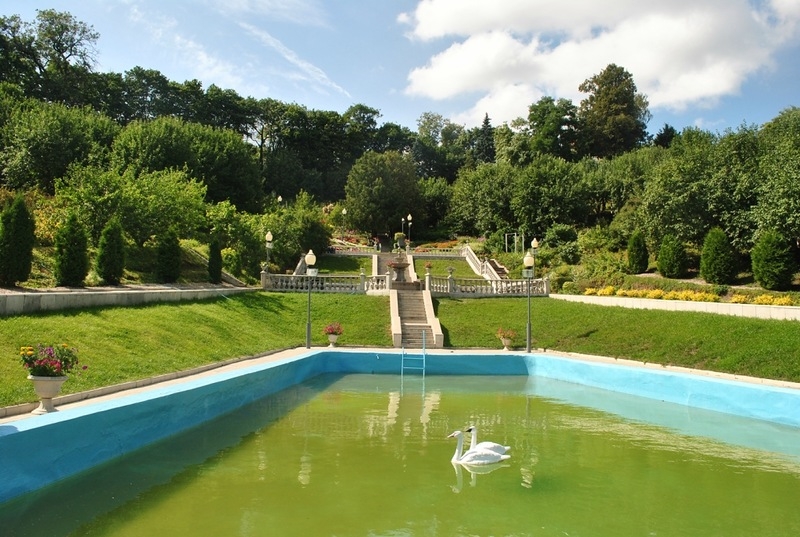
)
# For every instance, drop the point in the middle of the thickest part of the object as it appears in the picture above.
(121, 344)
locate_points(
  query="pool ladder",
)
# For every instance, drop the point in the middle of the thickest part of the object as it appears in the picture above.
(413, 363)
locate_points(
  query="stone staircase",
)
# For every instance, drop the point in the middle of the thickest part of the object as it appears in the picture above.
(499, 269)
(413, 321)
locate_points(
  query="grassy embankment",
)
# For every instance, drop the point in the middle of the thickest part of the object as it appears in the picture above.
(121, 344)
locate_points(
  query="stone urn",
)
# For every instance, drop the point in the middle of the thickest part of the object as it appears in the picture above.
(46, 389)
(506, 343)
(332, 339)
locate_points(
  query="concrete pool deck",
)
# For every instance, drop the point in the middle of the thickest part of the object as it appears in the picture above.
(110, 393)
(91, 431)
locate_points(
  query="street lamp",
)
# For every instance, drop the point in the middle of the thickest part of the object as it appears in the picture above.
(409, 226)
(403, 225)
(344, 215)
(311, 260)
(528, 272)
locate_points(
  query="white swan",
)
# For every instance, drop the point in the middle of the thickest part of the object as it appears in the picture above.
(489, 446)
(474, 457)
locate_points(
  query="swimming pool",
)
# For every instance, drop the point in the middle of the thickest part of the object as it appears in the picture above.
(39, 450)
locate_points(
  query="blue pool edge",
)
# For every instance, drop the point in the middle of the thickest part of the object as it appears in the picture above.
(36, 451)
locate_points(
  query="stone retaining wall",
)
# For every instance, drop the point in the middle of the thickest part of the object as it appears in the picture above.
(38, 301)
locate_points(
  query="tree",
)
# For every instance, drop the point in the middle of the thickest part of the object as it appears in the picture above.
(638, 257)
(17, 238)
(214, 261)
(614, 116)
(435, 195)
(773, 266)
(665, 136)
(219, 158)
(545, 193)
(110, 261)
(717, 261)
(71, 253)
(734, 185)
(553, 128)
(51, 57)
(671, 258)
(381, 189)
(676, 195)
(481, 202)
(779, 167)
(168, 257)
(44, 139)
(483, 150)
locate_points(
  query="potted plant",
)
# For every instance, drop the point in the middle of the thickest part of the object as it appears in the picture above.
(333, 331)
(506, 336)
(47, 367)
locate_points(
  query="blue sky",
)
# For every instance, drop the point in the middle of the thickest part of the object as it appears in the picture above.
(714, 64)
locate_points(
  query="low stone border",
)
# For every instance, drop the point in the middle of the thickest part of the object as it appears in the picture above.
(27, 408)
(26, 302)
(785, 313)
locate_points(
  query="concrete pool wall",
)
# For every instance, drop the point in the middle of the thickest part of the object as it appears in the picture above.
(38, 450)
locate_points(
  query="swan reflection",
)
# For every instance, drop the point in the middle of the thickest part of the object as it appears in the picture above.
(473, 471)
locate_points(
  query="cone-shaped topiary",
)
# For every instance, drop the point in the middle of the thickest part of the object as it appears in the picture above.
(17, 237)
(718, 260)
(110, 263)
(671, 258)
(168, 257)
(638, 257)
(773, 266)
(71, 255)
(214, 261)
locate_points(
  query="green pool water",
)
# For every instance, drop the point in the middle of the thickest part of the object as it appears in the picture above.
(364, 455)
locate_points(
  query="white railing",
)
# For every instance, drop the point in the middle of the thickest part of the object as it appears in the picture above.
(326, 283)
(463, 287)
(437, 252)
(352, 249)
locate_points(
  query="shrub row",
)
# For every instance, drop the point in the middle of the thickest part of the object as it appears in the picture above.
(692, 296)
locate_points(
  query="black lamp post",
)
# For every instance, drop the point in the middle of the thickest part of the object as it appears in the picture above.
(409, 226)
(311, 260)
(528, 272)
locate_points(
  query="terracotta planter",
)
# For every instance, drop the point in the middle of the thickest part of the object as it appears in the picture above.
(46, 388)
(332, 339)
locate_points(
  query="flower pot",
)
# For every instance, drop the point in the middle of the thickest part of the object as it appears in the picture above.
(506, 343)
(332, 339)
(46, 388)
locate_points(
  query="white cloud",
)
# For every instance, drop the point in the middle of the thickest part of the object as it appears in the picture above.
(305, 71)
(681, 53)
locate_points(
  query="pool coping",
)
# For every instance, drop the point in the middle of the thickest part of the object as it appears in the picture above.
(42, 449)
(22, 411)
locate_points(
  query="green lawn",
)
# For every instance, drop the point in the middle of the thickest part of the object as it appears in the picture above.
(122, 344)
(461, 268)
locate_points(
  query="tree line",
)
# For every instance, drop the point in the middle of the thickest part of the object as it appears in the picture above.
(162, 155)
